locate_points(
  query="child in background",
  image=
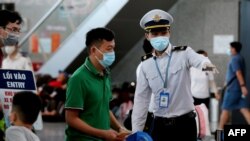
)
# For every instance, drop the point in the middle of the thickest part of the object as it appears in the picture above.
(25, 110)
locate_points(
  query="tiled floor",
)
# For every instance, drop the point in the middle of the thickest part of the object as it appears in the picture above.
(54, 131)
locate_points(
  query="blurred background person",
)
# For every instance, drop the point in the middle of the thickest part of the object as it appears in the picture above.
(115, 103)
(202, 84)
(126, 103)
(15, 60)
(204, 91)
(10, 26)
(53, 95)
(236, 91)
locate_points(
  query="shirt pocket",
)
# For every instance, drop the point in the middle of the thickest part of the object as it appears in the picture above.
(176, 70)
(155, 82)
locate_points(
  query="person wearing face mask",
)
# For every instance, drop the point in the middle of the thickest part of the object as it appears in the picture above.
(9, 29)
(164, 74)
(202, 84)
(236, 90)
(88, 94)
(15, 60)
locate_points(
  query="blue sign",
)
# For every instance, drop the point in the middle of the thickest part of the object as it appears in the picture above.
(139, 136)
(17, 79)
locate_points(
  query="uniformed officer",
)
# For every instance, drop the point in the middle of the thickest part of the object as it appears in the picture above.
(165, 73)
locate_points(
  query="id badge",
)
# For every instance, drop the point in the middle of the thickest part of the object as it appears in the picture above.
(164, 99)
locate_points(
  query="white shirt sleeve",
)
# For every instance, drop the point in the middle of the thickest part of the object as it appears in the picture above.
(196, 60)
(141, 102)
(138, 70)
(151, 105)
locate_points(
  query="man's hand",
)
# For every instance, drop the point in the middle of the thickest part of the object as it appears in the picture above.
(112, 135)
(123, 132)
(209, 67)
(244, 91)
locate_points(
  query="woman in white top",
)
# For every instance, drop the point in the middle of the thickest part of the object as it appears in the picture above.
(15, 60)
(202, 84)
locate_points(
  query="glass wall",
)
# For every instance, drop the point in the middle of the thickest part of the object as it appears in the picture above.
(46, 39)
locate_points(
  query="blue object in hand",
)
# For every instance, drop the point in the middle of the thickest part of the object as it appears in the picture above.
(139, 136)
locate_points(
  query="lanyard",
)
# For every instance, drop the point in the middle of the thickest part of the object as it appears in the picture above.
(157, 66)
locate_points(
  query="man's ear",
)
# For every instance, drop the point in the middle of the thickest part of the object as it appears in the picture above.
(147, 36)
(92, 49)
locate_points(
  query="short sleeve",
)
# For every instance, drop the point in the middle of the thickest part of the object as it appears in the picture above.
(236, 64)
(75, 94)
(194, 59)
(13, 134)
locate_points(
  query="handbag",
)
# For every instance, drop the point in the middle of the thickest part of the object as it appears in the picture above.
(202, 121)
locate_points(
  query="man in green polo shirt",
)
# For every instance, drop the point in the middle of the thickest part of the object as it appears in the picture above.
(88, 94)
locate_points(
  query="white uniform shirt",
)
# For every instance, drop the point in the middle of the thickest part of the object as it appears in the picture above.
(179, 85)
(200, 83)
(18, 63)
(20, 133)
(151, 106)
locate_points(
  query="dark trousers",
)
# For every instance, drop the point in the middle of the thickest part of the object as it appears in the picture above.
(198, 101)
(149, 120)
(175, 129)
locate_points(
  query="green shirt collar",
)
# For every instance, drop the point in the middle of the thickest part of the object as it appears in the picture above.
(92, 69)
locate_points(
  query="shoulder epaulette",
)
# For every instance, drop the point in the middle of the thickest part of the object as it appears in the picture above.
(179, 48)
(145, 57)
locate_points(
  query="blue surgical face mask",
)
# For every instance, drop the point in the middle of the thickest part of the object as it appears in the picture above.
(228, 52)
(108, 58)
(159, 43)
(12, 39)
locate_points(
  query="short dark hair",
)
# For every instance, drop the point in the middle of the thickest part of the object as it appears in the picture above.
(201, 51)
(27, 105)
(97, 35)
(9, 17)
(147, 47)
(236, 45)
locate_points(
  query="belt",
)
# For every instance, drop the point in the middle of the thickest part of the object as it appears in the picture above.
(173, 120)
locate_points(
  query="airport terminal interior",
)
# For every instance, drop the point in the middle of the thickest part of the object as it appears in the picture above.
(53, 35)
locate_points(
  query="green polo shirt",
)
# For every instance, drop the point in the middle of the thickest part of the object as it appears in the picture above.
(89, 92)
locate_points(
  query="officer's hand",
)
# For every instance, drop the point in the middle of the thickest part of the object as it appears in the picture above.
(209, 67)
(123, 132)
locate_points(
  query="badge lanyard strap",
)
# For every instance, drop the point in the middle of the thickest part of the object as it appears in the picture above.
(157, 66)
